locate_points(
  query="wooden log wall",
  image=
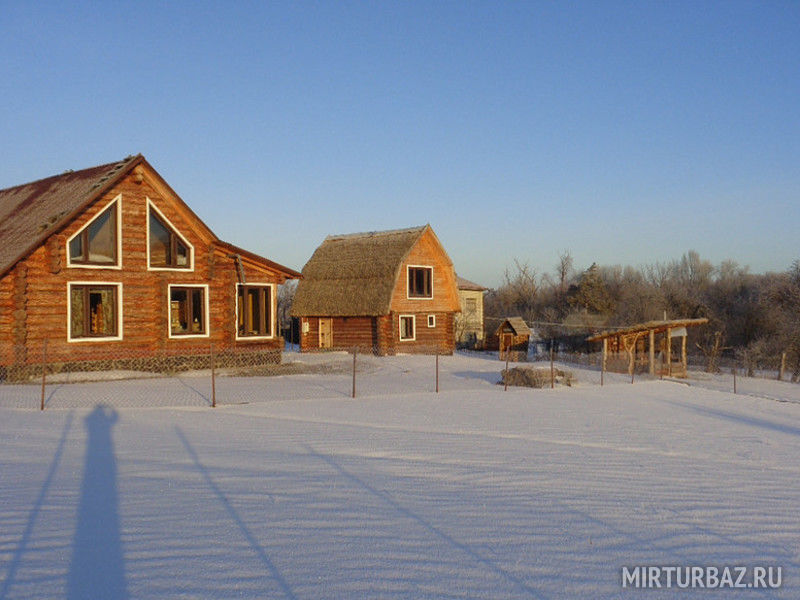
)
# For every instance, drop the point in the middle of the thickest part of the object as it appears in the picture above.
(36, 307)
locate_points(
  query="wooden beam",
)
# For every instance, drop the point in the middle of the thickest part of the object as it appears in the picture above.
(652, 357)
(669, 351)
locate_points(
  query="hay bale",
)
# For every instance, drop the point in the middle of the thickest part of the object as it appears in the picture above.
(535, 378)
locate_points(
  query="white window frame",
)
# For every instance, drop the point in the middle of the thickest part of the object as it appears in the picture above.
(115, 338)
(408, 274)
(400, 328)
(431, 320)
(273, 310)
(151, 206)
(118, 265)
(207, 325)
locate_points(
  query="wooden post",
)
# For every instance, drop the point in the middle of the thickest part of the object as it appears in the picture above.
(734, 378)
(44, 372)
(437, 370)
(213, 376)
(603, 361)
(668, 352)
(552, 370)
(355, 352)
(783, 367)
(652, 357)
(505, 378)
(684, 359)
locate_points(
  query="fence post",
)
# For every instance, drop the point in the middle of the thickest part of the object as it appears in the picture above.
(44, 372)
(437, 369)
(213, 377)
(783, 367)
(734, 378)
(505, 378)
(552, 369)
(355, 351)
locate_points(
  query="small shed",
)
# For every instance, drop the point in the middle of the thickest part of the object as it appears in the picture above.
(513, 337)
(647, 346)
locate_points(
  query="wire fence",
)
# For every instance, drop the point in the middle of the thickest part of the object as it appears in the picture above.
(206, 376)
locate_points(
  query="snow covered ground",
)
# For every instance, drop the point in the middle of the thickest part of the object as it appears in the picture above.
(303, 492)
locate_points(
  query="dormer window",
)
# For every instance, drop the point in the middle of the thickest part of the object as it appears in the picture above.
(97, 244)
(167, 249)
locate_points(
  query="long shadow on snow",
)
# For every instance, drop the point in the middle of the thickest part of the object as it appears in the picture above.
(516, 581)
(737, 418)
(97, 568)
(251, 539)
(16, 559)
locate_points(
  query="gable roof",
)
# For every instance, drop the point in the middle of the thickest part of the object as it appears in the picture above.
(466, 284)
(517, 324)
(354, 274)
(32, 212)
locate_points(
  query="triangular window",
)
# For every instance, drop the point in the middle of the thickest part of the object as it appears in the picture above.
(167, 249)
(96, 243)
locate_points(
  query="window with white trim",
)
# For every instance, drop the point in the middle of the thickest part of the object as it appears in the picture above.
(420, 282)
(188, 310)
(166, 248)
(97, 243)
(407, 332)
(431, 320)
(254, 310)
(94, 311)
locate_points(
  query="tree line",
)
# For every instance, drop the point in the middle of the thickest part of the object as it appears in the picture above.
(752, 317)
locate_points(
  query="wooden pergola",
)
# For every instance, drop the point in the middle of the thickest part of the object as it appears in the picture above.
(647, 344)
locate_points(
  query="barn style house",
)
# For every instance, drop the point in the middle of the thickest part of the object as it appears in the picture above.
(109, 259)
(385, 292)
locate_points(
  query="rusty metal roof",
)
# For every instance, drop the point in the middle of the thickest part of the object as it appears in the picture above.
(31, 212)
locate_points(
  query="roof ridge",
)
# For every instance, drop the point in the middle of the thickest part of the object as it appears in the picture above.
(366, 234)
(113, 167)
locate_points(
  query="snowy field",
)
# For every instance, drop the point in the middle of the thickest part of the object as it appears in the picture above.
(291, 489)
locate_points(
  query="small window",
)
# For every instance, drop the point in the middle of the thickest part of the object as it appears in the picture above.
(187, 311)
(254, 308)
(431, 320)
(167, 249)
(407, 327)
(96, 244)
(420, 282)
(470, 305)
(93, 311)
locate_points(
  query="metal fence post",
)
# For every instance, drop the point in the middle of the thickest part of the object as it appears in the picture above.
(734, 378)
(355, 352)
(505, 378)
(552, 369)
(44, 372)
(213, 377)
(437, 370)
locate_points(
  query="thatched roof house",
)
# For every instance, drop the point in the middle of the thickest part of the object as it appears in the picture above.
(385, 291)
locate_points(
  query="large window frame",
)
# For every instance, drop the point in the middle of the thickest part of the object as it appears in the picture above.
(173, 318)
(402, 332)
(266, 311)
(419, 282)
(87, 288)
(85, 262)
(176, 238)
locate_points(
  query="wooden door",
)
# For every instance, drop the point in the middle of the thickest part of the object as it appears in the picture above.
(506, 341)
(326, 333)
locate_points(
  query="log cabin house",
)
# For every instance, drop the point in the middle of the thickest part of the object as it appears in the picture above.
(385, 292)
(109, 260)
(656, 347)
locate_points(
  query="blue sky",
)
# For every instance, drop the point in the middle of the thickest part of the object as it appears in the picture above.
(626, 132)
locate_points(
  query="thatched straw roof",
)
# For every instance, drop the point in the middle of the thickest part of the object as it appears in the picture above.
(354, 274)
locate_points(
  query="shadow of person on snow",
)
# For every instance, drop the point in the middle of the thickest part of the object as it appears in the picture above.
(97, 567)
